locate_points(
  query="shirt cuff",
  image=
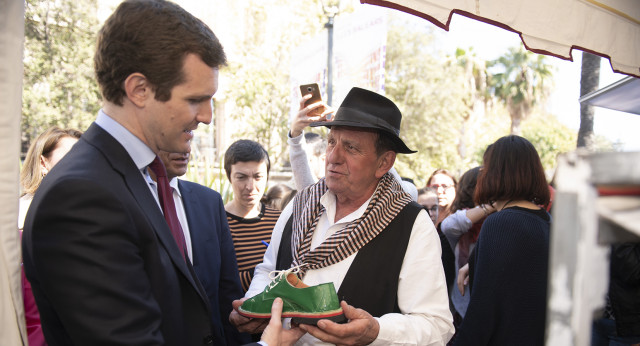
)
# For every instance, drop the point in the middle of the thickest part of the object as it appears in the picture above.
(263, 343)
(383, 335)
(294, 140)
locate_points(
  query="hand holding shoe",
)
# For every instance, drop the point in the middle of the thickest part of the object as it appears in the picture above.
(274, 334)
(362, 328)
(245, 324)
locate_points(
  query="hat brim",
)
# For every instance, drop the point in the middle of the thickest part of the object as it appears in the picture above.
(400, 146)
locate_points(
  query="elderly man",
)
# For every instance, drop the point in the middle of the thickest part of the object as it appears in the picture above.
(358, 229)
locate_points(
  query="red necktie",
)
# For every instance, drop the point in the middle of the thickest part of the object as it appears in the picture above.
(165, 195)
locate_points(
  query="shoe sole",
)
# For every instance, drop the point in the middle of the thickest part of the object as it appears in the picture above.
(302, 318)
(314, 321)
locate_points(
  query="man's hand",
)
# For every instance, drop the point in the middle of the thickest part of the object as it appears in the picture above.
(274, 334)
(245, 324)
(301, 119)
(362, 328)
(463, 278)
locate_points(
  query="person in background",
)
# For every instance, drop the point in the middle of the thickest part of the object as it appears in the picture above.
(620, 323)
(251, 221)
(462, 229)
(208, 241)
(409, 187)
(445, 185)
(279, 195)
(509, 265)
(428, 198)
(44, 153)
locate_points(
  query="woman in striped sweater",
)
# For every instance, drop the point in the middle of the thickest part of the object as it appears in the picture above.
(251, 222)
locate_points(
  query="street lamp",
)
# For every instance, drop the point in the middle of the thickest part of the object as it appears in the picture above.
(331, 9)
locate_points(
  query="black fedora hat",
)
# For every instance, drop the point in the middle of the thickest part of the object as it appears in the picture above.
(367, 109)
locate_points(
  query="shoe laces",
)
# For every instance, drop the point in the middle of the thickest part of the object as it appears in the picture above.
(278, 275)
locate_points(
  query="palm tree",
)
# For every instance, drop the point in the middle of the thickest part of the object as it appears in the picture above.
(475, 83)
(521, 83)
(589, 80)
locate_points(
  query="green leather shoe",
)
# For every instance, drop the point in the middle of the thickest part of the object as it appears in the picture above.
(304, 304)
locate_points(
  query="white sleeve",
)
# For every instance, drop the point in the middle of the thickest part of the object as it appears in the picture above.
(299, 162)
(455, 225)
(425, 318)
(261, 274)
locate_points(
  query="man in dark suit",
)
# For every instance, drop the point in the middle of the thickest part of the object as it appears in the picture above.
(201, 213)
(103, 262)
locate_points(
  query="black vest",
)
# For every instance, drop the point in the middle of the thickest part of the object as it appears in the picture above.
(371, 282)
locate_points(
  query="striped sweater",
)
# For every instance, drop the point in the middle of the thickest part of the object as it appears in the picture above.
(247, 235)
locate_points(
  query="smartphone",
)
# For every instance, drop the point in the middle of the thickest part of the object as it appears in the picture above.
(314, 90)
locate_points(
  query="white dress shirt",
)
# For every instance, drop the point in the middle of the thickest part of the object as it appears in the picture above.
(422, 289)
(139, 152)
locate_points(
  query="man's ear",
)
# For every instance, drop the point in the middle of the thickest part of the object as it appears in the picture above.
(138, 89)
(385, 162)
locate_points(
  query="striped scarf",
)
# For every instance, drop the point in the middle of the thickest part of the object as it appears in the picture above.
(387, 201)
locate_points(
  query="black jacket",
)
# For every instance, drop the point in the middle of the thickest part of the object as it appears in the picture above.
(624, 288)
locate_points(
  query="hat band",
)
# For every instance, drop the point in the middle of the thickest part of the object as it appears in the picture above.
(355, 117)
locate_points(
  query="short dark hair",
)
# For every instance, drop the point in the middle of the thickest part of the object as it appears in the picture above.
(316, 143)
(245, 150)
(151, 37)
(512, 171)
(385, 143)
(465, 191)
(279, 195)
(427, 190)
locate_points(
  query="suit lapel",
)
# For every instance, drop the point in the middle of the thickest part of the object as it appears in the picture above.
(190, 201)
(123, 164)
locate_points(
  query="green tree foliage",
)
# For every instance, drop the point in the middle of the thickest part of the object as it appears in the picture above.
(59, 86)
(259, 78)
(429, 95)
(520, 80)
(549, 137)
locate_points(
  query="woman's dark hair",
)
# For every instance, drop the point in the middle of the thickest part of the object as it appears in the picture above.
(245, 150)
(278, 196)
(151, 37)
(512, 171)
(465, 190)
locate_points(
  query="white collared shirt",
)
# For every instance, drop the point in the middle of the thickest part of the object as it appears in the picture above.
(139, 152)
(422, 289)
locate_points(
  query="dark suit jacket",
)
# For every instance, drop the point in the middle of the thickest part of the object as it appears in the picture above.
(103, 265)
(214, 258)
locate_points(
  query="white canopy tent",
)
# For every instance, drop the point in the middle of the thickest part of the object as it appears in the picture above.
(609, 28)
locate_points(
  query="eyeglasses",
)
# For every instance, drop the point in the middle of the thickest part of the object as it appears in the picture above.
(443, 186)
(431, 210)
